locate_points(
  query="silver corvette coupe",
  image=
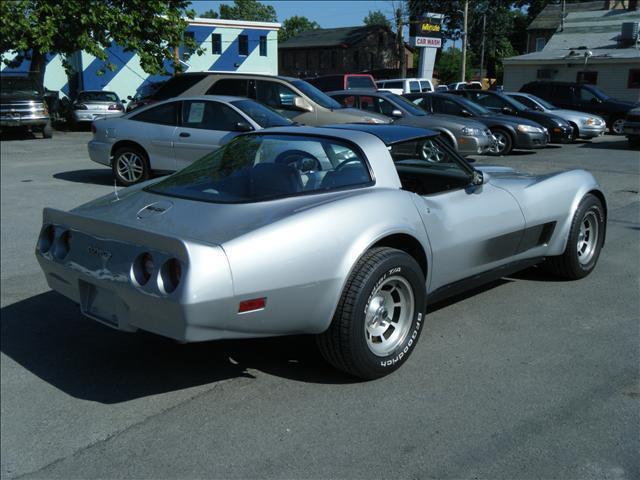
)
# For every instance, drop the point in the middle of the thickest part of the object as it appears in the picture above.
(346, 232)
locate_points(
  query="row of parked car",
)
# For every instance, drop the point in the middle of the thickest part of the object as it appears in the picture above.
(194, 113)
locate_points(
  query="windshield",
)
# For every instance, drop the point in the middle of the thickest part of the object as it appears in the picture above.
(19, 85)
(408, 105)
(516, 105)
(316, 95)
(544, 103)
(257, 167)
(97, 97)
(261, 114)
(597, 92)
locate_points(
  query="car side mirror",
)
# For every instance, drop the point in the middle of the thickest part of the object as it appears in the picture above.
(466, 113)
(507, 110)
(595, 100)
(396, 113)
(243, 127)
(301, 104)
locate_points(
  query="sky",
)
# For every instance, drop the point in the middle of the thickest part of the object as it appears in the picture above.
(328, 14)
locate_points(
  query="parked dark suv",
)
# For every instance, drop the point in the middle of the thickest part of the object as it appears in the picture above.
(585, 98)
(22, 105)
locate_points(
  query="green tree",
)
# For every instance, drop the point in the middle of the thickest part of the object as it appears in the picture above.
(294, 26)
(211, 13)
(153, 28)
(376, 17)
(251, 10)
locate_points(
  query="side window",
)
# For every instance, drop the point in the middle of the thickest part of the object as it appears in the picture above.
(164, 114)
(230, 86)
(209, 116)
(275, 95)
(414, 87)
(385, 107)
(421, 102)
(564, 92)
(394, 85)
(368, 104)
(426, 86)
(452, 108)
(586, 95)
(490, 101)
(526, 101)
(346, 100)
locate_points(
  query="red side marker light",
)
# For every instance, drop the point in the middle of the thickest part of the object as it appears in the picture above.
(252, 305)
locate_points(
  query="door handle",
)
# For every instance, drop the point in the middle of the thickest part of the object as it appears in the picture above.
(185, 134)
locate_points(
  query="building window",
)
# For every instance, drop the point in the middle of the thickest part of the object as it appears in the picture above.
(587, 77)
(188, 51)
(334, 58)
(216, 44)
(243, 45)
(634, 78)
(263, 46)
(540, 43)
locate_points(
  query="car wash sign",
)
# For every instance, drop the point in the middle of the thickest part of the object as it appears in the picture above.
(426, 31)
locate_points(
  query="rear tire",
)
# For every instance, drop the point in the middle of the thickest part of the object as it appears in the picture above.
(379, 316)
(130, 165)
(584, 243)
(504, 142)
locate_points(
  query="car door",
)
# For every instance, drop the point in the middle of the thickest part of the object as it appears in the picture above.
(154, 128)
(205, 126)
(471, 229)
(587, 101)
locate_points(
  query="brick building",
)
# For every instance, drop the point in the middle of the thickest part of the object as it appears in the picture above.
(340, 50)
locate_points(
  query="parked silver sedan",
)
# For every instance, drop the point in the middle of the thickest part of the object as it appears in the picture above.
(585, 125)
(170, 135)
(92, 105)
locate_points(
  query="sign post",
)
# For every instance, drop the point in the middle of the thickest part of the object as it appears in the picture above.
(425, 34)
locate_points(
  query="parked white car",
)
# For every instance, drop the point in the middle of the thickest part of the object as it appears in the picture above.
(473, 85)
(400, 86)
(168, 136)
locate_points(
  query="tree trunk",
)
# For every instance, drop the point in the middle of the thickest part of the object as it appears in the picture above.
(38, 65)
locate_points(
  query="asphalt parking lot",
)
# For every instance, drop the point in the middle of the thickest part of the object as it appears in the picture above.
(527, 378)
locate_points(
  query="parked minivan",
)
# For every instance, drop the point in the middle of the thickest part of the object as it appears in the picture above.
(328, 83)
(401, 86)
(585, 98)
(292, 97)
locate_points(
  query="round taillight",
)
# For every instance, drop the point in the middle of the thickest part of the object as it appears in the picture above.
(62, 245)
(170, 275)
(45, 240)
(142, 268)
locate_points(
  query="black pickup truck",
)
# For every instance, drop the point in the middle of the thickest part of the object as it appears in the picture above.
(22, 105)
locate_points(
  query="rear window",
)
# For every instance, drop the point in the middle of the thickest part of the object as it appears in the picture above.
(360, 82)
(97, 97)
(253, 168)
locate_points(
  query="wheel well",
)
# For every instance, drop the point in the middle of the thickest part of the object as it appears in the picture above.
(600, 196)
(575, 128)
(127, 143)
(407, 244)
(448, 137)
(504, 130)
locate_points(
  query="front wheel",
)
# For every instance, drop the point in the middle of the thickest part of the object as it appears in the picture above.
(503, 144)
(584, 243)
(617, 126)
(379, 316)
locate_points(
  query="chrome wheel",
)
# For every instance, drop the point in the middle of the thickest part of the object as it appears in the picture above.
(500, 143)
(130, 167)
(617, 126)
(388, 315)
(587, 237)
(431, 153)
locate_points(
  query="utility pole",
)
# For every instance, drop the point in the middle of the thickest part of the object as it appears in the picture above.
(400, 42)
(464, 41)
(484, 25)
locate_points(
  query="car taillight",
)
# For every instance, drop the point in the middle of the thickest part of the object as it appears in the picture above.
(142, 268)
(115, 106)
(62, 245)
(170, 275)
(252, 305)
(80, 106)
(45, 240)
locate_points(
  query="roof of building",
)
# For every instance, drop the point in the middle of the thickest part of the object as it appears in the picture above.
(219, 22)
(549, 17)
(594, 31)
(331, 37)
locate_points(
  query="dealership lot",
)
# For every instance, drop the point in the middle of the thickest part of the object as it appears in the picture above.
(528, 377)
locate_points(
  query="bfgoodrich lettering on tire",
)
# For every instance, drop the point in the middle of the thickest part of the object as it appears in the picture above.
(379, 316)
(584, 243)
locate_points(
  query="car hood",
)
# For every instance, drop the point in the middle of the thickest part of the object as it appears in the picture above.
(441, 120)
(359, 115)
(203, 222)
(509, 119)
